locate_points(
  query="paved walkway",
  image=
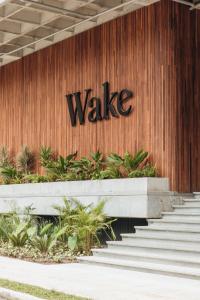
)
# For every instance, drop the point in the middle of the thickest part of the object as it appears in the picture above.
(100, 283)
(6, 294)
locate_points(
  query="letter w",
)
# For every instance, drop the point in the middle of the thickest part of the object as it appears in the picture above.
(78, 110)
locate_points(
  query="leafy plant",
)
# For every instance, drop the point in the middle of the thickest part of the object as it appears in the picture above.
(25, 160)
(82, 168)
(10, 174)
(148, 171)
(17, 228)
(36, 178)
(133, 162)
(46, 237)
(87, 168)
(72, 242)
(98, 164)
(21, 234)
(83, 223)
(118, 166)
(46, 156)
(5, 159)
(111, 172)
(5, 227)
(115, 159)
(59, 168)
(56, 166)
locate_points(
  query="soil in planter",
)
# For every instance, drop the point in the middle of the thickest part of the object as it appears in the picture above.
(28, 253)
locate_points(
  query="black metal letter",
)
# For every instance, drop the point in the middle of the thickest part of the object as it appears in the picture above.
(124, 96)
(78, 110)
(95, 114)
(108, 105)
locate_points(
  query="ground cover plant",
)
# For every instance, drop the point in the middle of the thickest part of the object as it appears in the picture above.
(36, 291)
(20, 169)
(73, 233)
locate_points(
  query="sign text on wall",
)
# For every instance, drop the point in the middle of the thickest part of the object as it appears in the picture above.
(113, 105)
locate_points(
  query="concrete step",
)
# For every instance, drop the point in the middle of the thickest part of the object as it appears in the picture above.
(190, 224)
(165, 233)
(192, 208)
(196, 195)
(180, 271)
(191, 203)
(163, 241)
(170, 228)
(156, 246)
(181, 216)
(197, 200)
(169, 246)
(148, 257)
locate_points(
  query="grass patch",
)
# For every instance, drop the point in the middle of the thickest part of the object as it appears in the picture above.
(36, 291)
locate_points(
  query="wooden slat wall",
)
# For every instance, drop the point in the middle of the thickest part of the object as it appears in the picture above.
(149, 52)
(195, 115)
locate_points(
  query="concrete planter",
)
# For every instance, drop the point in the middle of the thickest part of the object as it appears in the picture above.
(126, 198)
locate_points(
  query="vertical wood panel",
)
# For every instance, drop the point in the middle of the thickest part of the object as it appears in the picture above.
(150, 51)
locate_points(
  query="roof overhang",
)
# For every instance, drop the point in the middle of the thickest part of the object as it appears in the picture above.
(27, 26)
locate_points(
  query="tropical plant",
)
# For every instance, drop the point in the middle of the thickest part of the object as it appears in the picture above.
(83, 223)
(86, 168)
(46, 156)
(82, 168)
(5, 227)
(17, 227)
(5, 159)
(148, 171)
(46, 237)
(59, 168)
(111, 172)
(10, 174)
(61, 165)
(36, 178)
(118, 166)
(21, 234)
(25, 160)
(56, 166)
(131, 162)
(98, 164)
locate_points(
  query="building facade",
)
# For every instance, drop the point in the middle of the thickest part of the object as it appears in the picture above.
(151, 55)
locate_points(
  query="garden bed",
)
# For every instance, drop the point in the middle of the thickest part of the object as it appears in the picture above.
(129, 183)
(28, 253)
(76, 230)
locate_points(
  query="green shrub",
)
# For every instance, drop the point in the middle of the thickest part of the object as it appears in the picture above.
(20, 235)
(55, 166)
(36, 178)
(46, 156)
(83, 224)
(9, 174)
(148, 171)
(131, 163)
(46, 237)
(76, 230)
(111, 172)
(25, 160)
(59, 168)
(6, 227)
(5, 159)
(128, 166)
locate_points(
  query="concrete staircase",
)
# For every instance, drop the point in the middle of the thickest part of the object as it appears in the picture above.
(168, 246)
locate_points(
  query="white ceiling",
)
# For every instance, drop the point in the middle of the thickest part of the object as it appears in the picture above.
(29, 25)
